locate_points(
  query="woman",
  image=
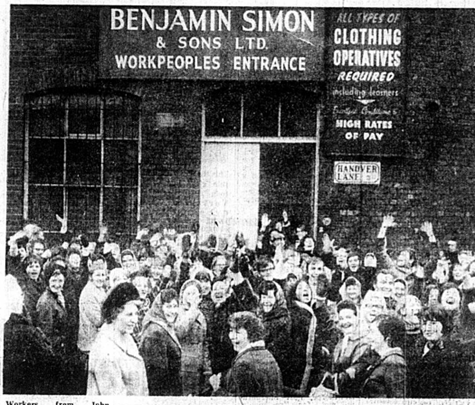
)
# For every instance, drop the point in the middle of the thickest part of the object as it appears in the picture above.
(351, 290)
(306, 361)
(115, 365)
(29, 363)
(350, 357)
(90, 305)
(51, 309)
(387, 378)
(32, 284)
(276, 319)
(129, 262)
(191, 330)
(159, 346)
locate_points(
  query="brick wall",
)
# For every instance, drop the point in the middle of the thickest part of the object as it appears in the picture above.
(434, 181)
(58, 46)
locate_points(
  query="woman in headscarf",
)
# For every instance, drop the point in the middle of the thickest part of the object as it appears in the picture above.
(129, 262)
(191, 330)
(160, 347)
(351, 290)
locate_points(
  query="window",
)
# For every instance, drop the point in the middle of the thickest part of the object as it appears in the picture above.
(264, 113)
(82, 161)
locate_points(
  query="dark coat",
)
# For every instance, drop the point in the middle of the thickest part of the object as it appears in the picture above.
(443, 372)
(357, 355)
(29, 363)
(387, 377)
(293, 371)
(162, 357)
(277, 334)
(221, 351)
(32, 291)
(254, 373)
(53, 321)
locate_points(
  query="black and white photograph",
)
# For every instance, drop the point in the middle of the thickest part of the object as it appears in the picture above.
(268, 201)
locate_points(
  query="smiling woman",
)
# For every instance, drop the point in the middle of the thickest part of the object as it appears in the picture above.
(160, 347)
(115, 365)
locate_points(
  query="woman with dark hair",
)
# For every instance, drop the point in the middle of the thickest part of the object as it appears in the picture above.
(387, 378)
(160, 347)
(307, 359)
(32, 284)
(51, 309)
(276, 319)
(115, 365)
(254, 371)
(351, 354)
(442, 366)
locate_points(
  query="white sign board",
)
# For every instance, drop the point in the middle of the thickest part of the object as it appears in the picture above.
(357, 173)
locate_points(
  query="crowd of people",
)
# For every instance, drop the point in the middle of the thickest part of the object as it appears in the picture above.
(169, 315)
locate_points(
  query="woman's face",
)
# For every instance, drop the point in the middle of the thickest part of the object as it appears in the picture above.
(450, 299)
(56, 283)
(267, 301)
(413, 310)
(74, 261)
(99, 278)
(141, 283)
(303, 293)
(353, 292)
(191, 296)
(205, 286)
(33, 271)
(128, 262)
(308, 244)
(170, 311)
(347, 321)
(127, 319)
(458, 272)
(219, 265)
(354, 263)
(399, 291)
(218, 293)
(156, 272)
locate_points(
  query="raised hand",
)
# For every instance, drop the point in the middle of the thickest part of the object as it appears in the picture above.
(64, 224)
(428, 229)
(328, 244)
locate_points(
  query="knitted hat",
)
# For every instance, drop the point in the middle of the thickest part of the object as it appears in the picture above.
(117, 298)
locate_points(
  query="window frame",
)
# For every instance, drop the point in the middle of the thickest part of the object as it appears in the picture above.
(65, 96)
(282, 88)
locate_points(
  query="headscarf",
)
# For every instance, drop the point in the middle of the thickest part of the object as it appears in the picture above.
(187, 284)
(155, 315)
(342, 290)
(128, 252)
